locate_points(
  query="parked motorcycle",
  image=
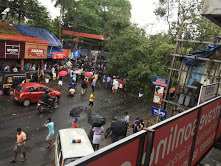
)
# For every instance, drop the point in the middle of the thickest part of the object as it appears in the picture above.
(42, 106)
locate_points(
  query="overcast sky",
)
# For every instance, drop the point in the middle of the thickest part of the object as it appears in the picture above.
(142, 14)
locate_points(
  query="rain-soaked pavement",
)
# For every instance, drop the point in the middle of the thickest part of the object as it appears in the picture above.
(13, 115)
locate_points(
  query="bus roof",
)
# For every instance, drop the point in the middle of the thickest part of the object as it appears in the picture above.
(69, 149)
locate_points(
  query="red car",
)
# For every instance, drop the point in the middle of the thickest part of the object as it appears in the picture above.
(28, 93)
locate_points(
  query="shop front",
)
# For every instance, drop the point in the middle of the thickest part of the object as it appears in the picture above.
(35, 53)
(12, 53)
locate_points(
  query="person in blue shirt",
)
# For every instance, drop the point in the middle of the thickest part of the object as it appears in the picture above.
(108, 81)
(139, 126)
(75, 121)
(50, 125)
(74, 78)
(72, 85)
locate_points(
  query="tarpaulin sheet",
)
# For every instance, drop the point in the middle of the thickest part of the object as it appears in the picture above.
(39, 33)
(204, 53)
(52, 50)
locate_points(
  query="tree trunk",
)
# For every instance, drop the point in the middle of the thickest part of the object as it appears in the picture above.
(19, 18)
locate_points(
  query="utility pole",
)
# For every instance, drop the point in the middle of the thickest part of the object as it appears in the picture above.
(173, 62)
(60, 24)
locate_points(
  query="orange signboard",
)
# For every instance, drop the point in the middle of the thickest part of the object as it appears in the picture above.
(36, 52)
(60, 55)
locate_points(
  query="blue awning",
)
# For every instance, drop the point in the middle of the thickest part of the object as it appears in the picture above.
(51, 50)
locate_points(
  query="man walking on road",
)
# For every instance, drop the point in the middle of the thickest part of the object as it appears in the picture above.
(50, 125)
(19, 147)
(91, 100)
(108, 82)
(126, 119)
(93, 84)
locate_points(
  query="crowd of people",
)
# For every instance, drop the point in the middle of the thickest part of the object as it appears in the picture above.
(75, 73)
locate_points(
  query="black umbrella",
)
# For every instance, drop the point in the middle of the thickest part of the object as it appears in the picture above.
(96, 120)
(119, 127)
(76, 111)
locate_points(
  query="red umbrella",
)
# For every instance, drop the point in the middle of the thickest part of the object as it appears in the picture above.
(88, 74)
(62, 73)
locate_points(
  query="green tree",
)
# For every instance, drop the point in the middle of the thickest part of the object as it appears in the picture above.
(95, 16)
(27, 12)
(140, 57)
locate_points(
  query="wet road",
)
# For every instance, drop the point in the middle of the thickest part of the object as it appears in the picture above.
(14, 115)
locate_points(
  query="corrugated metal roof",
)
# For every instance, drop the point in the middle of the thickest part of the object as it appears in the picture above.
(22, 38)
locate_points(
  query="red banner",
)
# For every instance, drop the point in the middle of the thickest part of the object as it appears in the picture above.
(36, 52)
(60, 55)
(207, 129)
(172, 142)
(126, 155)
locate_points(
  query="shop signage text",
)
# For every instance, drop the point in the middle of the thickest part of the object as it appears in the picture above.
(159, 112)
(160, 81)
(36, 52)
(12, 50)
(60, 55)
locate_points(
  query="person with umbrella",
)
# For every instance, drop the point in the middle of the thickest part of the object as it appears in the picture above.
(61, 74)
(118, 128)
(60, 82)
(75, 121)
(97, 136)
(96, 121)
(74, 113)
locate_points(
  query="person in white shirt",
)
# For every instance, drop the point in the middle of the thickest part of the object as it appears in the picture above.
(116, 85)
(52, 70)
(127, 120)
(7, 68)
(33, 67)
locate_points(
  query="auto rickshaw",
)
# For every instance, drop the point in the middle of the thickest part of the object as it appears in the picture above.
(31, 76)
(10, 80)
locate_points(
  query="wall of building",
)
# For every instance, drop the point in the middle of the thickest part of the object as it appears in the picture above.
(205, 79)
(29, 46)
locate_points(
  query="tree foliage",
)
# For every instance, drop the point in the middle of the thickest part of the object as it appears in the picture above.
(26, 12)
(98, 16)
(140, 57)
